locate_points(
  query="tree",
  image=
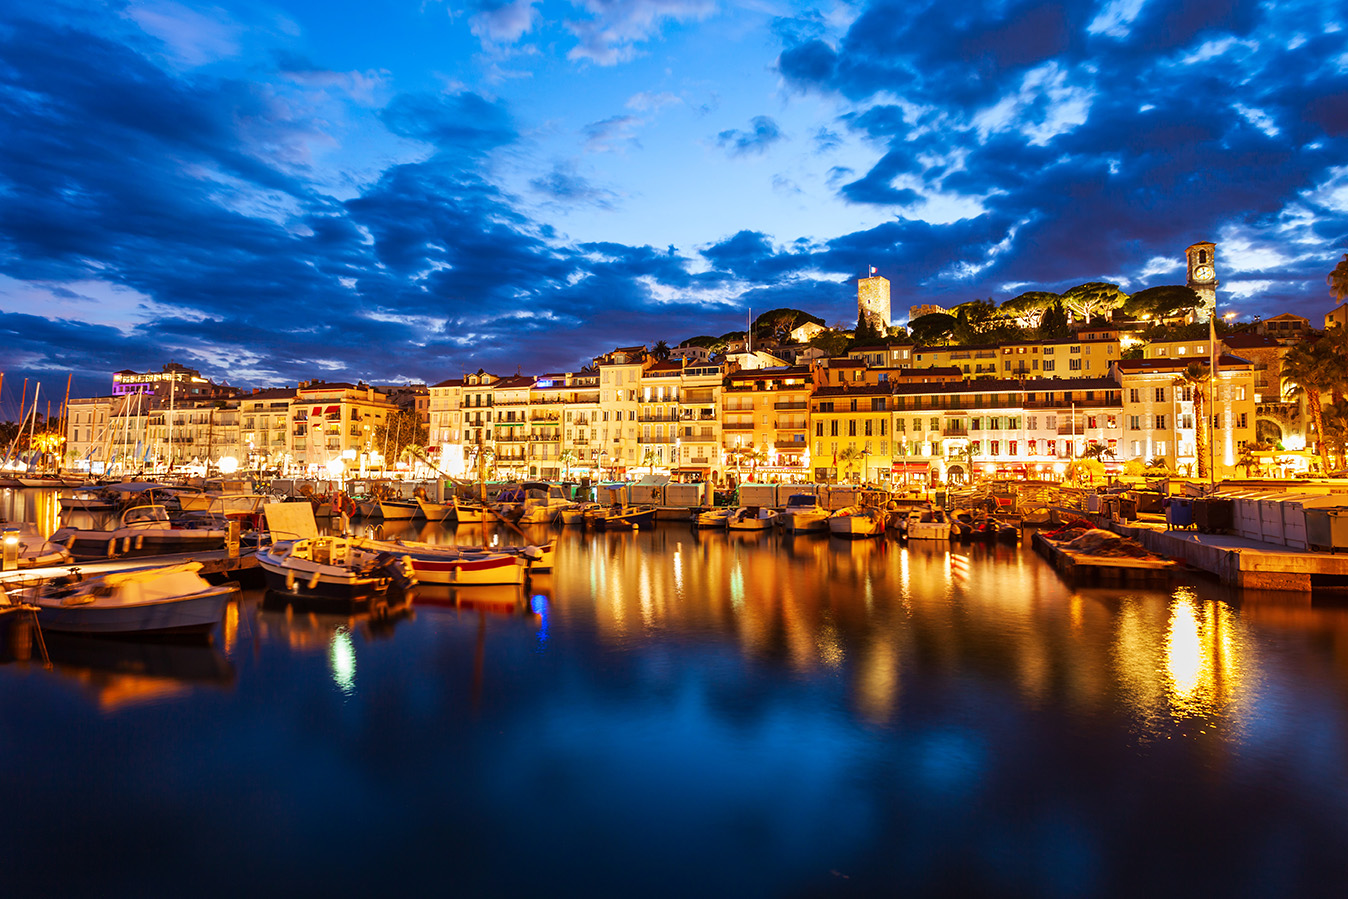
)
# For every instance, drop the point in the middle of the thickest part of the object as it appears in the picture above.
(1338, 280)
(1195, 377)
(1095, 450)
(1309, 371)
(866, 332)
(848, 457)
(928, 330)
(400, 430)
(1053, 326)
(1085, 470)
(567, 458)
(1165, 301)
(648, 458)
(833, 342)
(1028, 309)
(1093, 299)
(660, 351)
(1335, 418)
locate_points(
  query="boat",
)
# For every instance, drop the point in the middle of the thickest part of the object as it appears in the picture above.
(399, 509)
(803, 514)
(715, 517)
(985, 527)
(857, 521)
(535, 556)
(143, 531)
(618, 518)
(469, 512)
(455, 565)
(166, 599)
(340, 570)
(88, 501)
(33, 550)
(752, 518)
(575, 514)
(928, 524)
(222, 498)
(435, 512)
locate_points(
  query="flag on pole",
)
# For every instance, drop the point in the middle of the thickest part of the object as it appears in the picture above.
(872, 269)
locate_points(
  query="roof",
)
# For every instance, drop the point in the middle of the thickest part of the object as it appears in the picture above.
(1251, 341)
(514, 382)
(667, 365)
(452, 382)
(1008, 385)
(271, 393)
(1288, 316)
(853, 390)
(1175, 363)
(327, 385)
(767, 374)
(839, 362)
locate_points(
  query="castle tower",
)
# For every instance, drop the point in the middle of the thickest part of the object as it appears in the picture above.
(1202, 276)
(873, 301)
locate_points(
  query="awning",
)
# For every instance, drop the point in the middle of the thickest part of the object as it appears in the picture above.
(920, 467)
(318, 410)
(333, 410)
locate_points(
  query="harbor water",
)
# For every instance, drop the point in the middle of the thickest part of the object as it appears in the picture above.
(673, 713)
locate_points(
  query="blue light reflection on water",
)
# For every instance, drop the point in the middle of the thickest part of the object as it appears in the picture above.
(750, 721)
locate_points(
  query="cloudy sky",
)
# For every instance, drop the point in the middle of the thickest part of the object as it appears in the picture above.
(409, 189)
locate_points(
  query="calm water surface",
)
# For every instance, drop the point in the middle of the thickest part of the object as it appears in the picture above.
(675, 713)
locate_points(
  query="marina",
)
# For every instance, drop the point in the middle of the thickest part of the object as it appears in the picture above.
(711, 687)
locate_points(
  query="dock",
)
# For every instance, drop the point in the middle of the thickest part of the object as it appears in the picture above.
(215, 565)
(1236, 561)
(1081, 569)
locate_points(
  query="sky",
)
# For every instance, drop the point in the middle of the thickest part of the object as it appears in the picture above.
(409, 190)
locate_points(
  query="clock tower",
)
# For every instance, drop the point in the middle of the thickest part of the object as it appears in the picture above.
(1202, 277)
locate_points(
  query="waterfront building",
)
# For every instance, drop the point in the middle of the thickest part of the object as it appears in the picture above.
(697, 448)
(851, 426)
(479, 398)
(335, 427)
(88, 423)
(620, 374)
(765, 419)
(1278, 420)
(547, 404)
(658, 418)
(1160, 418)
(264, 427)
(690, 352)
(196, 434)
(1086, 354)
(582, 442)
(510, 400)
(445, 425)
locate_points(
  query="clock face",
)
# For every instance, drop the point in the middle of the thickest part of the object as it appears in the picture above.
(1203, 273)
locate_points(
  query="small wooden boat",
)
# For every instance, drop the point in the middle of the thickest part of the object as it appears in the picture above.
(399, 509)
(338, 570)
(469, 512)
(435, 512)
(574, 515)
(456, 565)
(857, 521)
(168, 599)
(752, 518)
(929, 524)
(618, 518)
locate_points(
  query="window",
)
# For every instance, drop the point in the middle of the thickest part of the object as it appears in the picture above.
(1160, 394)
(1186, 421)
(1050, 447)
(1051, 422)
(819, 429)
(1160, 447)
(901, 424)
(1133, 397)
(1048, 365)
(852, 428)
(1135, 422)
(995, 446)
(976, 424)
(868, 428)
(1240, 422)
(1075, 349)
(1111, 421)
(833, 428)
(1030, 447)
(1011, 448)
(1217, 421)
(1032, 422)
(1092, 422)
(882, 431)
(1074, 364)
(917, 424)
(1160, 422)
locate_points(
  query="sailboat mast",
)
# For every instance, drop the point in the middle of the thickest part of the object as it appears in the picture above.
(32, 427)
(64, 423)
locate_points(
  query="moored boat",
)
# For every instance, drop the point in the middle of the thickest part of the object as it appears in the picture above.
(752, 518)
(340, 570)
(857, 521)
(33, 551)
(803, 514)
(142, 531)
(618, 518)
(715, 517)
(167, 599)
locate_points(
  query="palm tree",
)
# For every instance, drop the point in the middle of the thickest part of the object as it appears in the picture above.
(1196, 376)
(648, 458)
(1309, 371)
(1338, 280)
(660, 350)
(1335, 417)
(567, 458)
(849, 455)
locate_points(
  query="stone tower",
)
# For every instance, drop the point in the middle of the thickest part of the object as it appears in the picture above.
(873, 301)
(1202, 276)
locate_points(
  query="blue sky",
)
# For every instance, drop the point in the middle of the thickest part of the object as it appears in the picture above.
(409, 190)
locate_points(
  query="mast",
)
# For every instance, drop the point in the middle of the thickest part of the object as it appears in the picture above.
(37, 388)
(65, 422)
(173, 385)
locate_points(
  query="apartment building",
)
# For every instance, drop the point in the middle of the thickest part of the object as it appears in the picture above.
(510, 404)
(620, 374)
(88, 430)
(195, 433)
(334, 426)
(479, 397)
(697, 452)
(1159, 408)
(264, 427)
(659, 392)
(765, 419)
(1086, 354)
(444, 429)
(852, 431)
(582, 441)
(547, 404)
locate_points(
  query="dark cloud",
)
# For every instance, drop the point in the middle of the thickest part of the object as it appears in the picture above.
(463, 122)
(763, 133)
(563, 185)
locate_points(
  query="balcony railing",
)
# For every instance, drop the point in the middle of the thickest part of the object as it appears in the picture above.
(790, 406)
(738, 426)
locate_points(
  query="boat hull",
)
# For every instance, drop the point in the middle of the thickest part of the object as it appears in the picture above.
(197, 614)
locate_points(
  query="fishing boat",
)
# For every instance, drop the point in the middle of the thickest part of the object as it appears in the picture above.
(752, 518)
(857, 521)
(143, 531)
(535, 556)
(341, 570)
(34, 551)
(575, 514)
(715, 517)
(435, 512)
(803, 514)
(470, 512)
(167, 599)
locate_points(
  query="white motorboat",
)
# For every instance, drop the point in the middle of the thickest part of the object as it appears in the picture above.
(857, 521)
(168, 599)
(928, 524)
(803, 514)
(88, 501)
(716, 517)
(342, 570)
(33, 550)
(223, 498)
(752, 518)
(143, 531)
(574, 515)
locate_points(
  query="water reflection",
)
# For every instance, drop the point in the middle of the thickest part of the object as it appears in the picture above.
(125, 673)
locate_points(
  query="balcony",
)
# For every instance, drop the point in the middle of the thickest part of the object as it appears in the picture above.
(737, 426)
(786, 407)
(954, 432)
(659, 418)
(663, 441)
(791, 429)
(699, 438)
